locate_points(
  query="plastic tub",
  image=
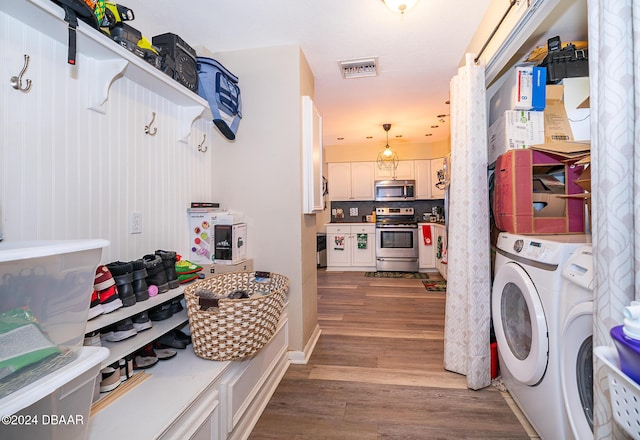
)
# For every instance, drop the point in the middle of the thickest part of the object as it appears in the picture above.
(45, 291)
(628, 353)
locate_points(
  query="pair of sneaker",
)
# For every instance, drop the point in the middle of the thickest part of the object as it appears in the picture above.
(150, 354)
(126, 328)
(104, 297)
(113, 375)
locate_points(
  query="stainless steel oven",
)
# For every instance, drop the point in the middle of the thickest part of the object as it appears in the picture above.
(396, 240)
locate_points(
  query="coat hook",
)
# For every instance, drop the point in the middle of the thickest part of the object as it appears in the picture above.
(147, 128)
(16, 81)
(201, 146)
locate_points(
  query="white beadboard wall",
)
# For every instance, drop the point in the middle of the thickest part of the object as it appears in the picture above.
(69, 172)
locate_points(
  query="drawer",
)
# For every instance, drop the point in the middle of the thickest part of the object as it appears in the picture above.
(200, 421)
(363, 229)
(338, 229)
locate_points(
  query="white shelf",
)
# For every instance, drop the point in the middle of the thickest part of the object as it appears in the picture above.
(118, 350)
(150, 409)
(104, 320)
(102, 59)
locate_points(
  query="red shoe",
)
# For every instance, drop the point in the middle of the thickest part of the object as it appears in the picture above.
(95, 308)
(103, 279)
(110, 299)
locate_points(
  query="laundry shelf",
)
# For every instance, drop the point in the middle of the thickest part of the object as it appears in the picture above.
(624, 393)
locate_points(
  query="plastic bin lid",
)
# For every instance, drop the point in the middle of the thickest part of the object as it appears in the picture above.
(88, 357)
(23, 250)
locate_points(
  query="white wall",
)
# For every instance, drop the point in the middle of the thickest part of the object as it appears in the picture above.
(69, 172)
(260, 174)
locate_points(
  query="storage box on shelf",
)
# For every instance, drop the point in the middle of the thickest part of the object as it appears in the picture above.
(520, 209)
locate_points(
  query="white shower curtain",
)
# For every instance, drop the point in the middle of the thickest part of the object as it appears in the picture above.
(614, 70)
(468, 308)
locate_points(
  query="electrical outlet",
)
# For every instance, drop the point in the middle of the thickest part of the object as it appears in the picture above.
(135, 224)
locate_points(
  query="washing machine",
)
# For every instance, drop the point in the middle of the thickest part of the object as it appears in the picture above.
(525, 305)
(576, 345)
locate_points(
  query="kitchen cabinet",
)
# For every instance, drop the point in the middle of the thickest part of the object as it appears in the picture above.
(351, 180)
(404, 171)
(426, 249)
(351, 247)
(426, 176)
(440, 242)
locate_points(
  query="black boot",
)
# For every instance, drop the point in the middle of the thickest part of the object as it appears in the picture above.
(155, 272)
(123, 276)
(139, 282)
(169, 263)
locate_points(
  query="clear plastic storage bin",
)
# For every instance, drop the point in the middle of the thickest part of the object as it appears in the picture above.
(45, 291)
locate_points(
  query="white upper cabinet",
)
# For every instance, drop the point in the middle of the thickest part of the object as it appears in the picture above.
(404, 171)
(424, 184)
(437, 166)
(351, 180)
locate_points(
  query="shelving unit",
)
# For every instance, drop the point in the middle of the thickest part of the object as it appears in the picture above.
(101, 61)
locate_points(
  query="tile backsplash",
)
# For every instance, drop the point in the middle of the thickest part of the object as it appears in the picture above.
(353, 212)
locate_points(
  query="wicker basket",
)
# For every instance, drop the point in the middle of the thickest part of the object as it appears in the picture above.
(237, 328)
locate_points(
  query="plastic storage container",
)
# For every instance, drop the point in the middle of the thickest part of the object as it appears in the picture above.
(56, 406)
(45, 291)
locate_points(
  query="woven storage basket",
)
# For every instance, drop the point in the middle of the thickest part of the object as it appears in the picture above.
(238, 328)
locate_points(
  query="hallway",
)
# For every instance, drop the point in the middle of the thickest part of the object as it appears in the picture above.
(376, 372)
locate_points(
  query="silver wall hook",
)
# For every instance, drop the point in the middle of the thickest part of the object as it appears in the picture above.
(201, 146)
(147, 128)
(16, 81)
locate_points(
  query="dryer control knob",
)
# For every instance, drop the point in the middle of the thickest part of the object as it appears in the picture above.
(518, 245)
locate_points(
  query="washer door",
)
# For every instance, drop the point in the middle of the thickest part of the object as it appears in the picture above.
(519, 324)
(576, 366)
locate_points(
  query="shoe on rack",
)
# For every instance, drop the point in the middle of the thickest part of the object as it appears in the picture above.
(110, 378)
(123, 276)
(145, 358)
(176, 305)
(156, 275)
(95, 308)
(187, 271)
(169, 259)
(169, 340)
(163, 353)
(139, 283)
(105, 285)
(92, 339)
(161, 312)
(119, 331)
(181, 336)
(141, 321)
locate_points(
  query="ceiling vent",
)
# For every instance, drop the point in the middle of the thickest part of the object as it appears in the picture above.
(359, 68)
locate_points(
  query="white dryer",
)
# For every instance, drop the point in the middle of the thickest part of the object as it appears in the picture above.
(525, 307)
(576, 345)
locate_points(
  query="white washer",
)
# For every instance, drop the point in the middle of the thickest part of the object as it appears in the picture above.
(576, 345)
(525, 307)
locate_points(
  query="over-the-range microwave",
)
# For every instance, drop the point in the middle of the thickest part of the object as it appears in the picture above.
(395, 190)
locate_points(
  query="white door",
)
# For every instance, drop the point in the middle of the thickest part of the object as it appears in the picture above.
(576, 369)
(520, 325)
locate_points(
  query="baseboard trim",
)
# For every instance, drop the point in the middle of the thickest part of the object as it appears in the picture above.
(302, 357)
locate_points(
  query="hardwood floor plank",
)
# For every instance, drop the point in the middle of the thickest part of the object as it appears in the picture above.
(376, 372)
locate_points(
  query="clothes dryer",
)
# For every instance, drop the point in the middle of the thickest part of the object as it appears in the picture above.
(576, 344)
(526, 317)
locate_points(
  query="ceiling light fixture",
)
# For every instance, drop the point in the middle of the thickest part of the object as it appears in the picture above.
(400, 6)
(387, 158)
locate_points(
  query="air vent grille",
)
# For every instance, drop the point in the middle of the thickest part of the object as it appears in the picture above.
(359, 68)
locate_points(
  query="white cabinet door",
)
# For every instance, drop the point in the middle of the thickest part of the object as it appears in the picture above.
(362, 180)
(404, 171)
(312, 157)
(426, 249)
(424, 182)
(338, 249)
(363, 245)
(436, 165)
(339, 180)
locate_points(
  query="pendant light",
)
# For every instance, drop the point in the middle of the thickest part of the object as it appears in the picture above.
(387, 158)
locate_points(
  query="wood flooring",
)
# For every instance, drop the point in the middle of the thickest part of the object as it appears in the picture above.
(376, 372)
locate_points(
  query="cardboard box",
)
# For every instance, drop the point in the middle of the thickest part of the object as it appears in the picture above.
(509, 97)
(201, 233)
(531, 84)
(216, 268)
(519, 210)
(230, 243)
(515, 129)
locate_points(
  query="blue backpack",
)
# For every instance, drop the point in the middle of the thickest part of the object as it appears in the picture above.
(220, 88)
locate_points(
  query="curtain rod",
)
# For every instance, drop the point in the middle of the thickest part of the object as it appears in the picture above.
(486, 43)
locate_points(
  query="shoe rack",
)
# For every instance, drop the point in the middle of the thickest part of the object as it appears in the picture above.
(120, 349)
